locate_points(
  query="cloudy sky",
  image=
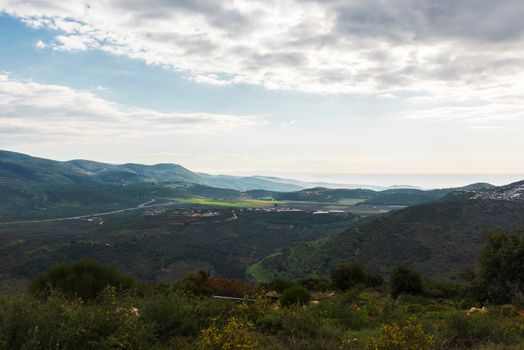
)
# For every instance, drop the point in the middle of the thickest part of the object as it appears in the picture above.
(267, 87)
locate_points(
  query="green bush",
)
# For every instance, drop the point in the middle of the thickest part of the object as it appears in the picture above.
(374, 280)
(83, 279)
(59, 323)
(352, 295)
(500, 264)
(295, 295)
(278, 284)
(466, 331)
(176, 315)
(438, 289)
(348, 275)
(196, 284)
(315, 283)
(406, 281)
(348, 316)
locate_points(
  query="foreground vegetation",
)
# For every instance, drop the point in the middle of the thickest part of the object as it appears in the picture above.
(68, 307)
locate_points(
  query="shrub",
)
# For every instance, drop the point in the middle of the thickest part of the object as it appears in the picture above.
(196, 283)
(348, 275)
(279, 284)
(349, 316)
(235, 334)
(409, 335)
(374, 280)
(59, 323)
(500, 263)
(442, 289)
(352, 295)
(302, 323)
(295, 295)
(83, 279)
(228, 287)
(406, 281)
(315, 283)
(463, 331)
(177, 315)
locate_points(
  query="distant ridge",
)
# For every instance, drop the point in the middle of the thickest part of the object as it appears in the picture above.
(20, 166)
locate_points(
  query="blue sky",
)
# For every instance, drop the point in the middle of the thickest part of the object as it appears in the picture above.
(267, 87)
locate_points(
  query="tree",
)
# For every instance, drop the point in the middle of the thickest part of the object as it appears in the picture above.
(348, 275)
(83, 279)
(295, 295)
(500, 267)
(405, 281)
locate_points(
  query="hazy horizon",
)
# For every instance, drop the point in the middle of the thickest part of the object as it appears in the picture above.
(421, 180)
(425, 181)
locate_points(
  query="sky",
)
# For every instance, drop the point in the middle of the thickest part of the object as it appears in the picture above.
(267, 87)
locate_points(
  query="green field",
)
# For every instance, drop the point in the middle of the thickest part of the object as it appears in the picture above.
(247, 203)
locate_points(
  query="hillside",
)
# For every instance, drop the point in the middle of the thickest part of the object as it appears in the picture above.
(410, 196)
(438, 239)
(163, 244)
(317, 194)
(23, 169)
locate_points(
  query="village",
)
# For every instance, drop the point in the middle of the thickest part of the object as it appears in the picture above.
(512, 192)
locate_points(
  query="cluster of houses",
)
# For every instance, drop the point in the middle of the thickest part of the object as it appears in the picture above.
(155, 212)
(507, 193)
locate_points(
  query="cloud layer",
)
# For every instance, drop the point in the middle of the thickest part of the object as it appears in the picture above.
(324, 46)
(39, 113)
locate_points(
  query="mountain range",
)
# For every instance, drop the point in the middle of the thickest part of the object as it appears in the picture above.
(437, 232)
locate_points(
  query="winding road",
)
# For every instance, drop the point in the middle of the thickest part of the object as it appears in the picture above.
(140, 206)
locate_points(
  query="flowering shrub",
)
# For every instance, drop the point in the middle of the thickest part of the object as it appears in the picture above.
(234, 335)
(407, 336)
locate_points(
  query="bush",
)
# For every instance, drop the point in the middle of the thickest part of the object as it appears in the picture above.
(228, 287)
(462, 331)
(176, 315)
(278, 284)
(315, 284)
(235, 334)
(374, 280)
(295, 295)
(405, 281)
(83, 279)
(59, 323)
(442, 289)
(349, 316)
(409, 335)
(348, 275)
(196, 284)
(501, 262)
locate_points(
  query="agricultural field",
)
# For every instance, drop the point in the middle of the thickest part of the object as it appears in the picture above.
(241, 203)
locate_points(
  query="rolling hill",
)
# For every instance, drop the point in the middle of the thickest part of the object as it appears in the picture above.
(23, 169)
(437, 239)
(36, 188)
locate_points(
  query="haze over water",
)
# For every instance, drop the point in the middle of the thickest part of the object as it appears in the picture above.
(426, 181)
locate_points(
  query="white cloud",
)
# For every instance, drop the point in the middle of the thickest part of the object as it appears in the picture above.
(40, 45)
(328, 46)
(493, 106)
(74, 43)
(54, 112)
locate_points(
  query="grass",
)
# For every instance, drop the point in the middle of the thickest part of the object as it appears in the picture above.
(351, 201)
(259, 273)
(247, 203)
